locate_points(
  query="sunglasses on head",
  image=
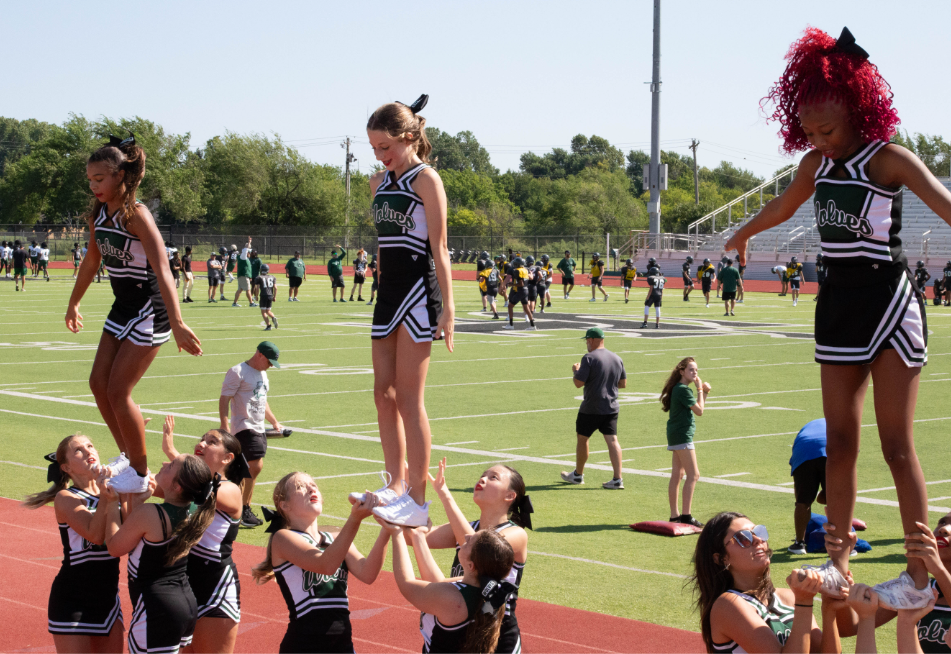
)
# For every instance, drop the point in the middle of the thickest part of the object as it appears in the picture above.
(744, 537)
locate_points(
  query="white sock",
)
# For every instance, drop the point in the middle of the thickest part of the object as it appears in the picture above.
(657, 312)
(647, 311)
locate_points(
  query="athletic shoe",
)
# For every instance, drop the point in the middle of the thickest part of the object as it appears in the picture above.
(727, 313)
(275, 322)
(898, 594)
(508, 326)
(268, 328)
(798, 547)
(342, 300)
(290, 299)
(495, 317)
(832, 579)
(253, 304)
(606, 296)
(531, 328)
(115, 466)
(296, 299)
(732, 314)
(815, 299)
(235, 304)
(385, 494)
(689, 520)
(222, 298)
(739, 301)
(359, 299)
(548, 305)
(656, 326)
(795, 302)
(248, 519)
(335, 299)
(525, 319)
(47, 279)
(708, 306)
(370, 302)
(351, 298)
(614, 484)
(643, 324)
(572, 477)
(210, 300)
(592, 300)
(626, 300)
(129, 481)
(566, 295)
(541, 311)
(404, 511)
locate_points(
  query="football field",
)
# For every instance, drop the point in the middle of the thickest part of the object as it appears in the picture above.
(500, 397)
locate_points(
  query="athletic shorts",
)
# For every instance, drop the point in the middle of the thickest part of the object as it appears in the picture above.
(518, 296)
(493, 292)
(597, 281)
(265, 302)
(808, 478)
(687, 281)
(785, 278)
(547, 285)
(568, 279)
(34, 260)
(705, 285)
(78, 607)
(253, 444)
(794, 283)
(587, 423)
(653, 300)
(75, 263)
(21, 272)
(163, 617)
(359, 279)
(42, 264)
(336, 281)
(213, 281)
(627, 283)
(244, 283)
(532, 293)
(729, 295)
(682, 446)
(294, 282)
(742, 270)
(375, 286)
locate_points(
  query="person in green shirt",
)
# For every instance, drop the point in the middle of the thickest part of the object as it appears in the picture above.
(678, 400)
(255, 272)
(296, 273)
(335, 270)
(567, 268)
(244, 274)
(730, 277)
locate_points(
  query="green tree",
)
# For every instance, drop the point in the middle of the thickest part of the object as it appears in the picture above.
(585, 153)
(933, 151)
(461, 152)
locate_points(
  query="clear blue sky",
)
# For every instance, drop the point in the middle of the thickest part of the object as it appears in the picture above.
(519, 75)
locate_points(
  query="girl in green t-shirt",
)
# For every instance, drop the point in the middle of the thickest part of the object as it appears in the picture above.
(678, 400)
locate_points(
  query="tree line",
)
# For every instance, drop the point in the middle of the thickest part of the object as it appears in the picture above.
(590, 188)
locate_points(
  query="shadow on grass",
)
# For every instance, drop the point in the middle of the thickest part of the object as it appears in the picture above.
(563, 485)
(576, 529)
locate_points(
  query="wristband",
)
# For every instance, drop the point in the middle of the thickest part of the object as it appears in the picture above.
(806, 606)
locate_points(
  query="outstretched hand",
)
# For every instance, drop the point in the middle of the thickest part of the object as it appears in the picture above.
(439, 481)
(740, 245)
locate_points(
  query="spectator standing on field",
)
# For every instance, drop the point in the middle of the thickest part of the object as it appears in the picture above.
(678, 400)
(567, 268)
(808, 470)
(214, 276)
(245, 392)
(175, 263)
(601, 373)
(244, 274)
(335, 270)
(189, 276)
(730, 278)
(255, 272)
(296, 273)
(359, 274)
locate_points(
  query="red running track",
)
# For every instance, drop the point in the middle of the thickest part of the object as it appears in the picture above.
(382, 620)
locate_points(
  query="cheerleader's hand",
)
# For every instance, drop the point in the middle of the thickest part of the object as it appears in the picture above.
(439, 481)
(445, 326)
(74, 319)
(186, 340)
(739, 244)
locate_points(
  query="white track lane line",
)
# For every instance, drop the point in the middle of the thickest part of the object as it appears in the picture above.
(468, 451)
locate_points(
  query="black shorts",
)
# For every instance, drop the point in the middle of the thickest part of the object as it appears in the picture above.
(587, 423)
(212, 281)
(742, 270)
(654, 299)
(628, 283)
(375, 286)
(687, 281)
(532, 292)
(705, 285)
(808, 478)
(547, 285)
(163, 617)
(516, 296)
(336, 281)
(794, 283)
(568, 279)
(265, 302)
(728, 295)
(597, 281)
(253, 444)
(359, 279)
(482, 293)
(294, 282)
(493, 292)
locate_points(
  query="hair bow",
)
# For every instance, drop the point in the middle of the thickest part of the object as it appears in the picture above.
(208, 489)
(117, 142)
(417, 106)
(846, 43)
(238, 469)
(524, 510)
(54, 474)
(276, 521)
(494, 593)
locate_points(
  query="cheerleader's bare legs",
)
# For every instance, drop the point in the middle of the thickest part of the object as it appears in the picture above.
(400, 366)
(895, 395)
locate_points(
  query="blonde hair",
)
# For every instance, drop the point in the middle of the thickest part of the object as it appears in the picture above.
(263, 572)
(43, 498)
(399, 122)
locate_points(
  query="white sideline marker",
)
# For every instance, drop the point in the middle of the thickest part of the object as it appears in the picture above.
(733, 474)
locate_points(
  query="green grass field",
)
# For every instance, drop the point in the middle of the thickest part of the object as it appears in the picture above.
(501, 397)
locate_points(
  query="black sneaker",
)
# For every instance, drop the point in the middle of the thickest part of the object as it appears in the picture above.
(248, 519)
(688, 519)
(643, 324)
(548, 305)
(798, 547)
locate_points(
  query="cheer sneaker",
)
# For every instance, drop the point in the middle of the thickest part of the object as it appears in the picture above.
(898, 594)
(832, 579)
(115, 466)
(129, 481)
(384, 494)
(404, 511)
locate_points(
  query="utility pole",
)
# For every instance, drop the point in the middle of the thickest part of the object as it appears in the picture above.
(350, 159)
(696, 177)
(653, 207)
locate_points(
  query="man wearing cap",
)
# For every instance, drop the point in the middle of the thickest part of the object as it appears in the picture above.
(244, 275)
(296, 273)
(567, 268)
(730, 278)
(601, 374)
(245, 390)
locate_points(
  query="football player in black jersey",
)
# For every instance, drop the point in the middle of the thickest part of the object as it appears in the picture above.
(946, 285)
(688, 280)
(921, 276)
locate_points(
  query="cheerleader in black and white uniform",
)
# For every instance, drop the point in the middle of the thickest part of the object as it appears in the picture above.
(312, 566)
(870, 317)
(85, 614)
(414, 305)
(212, 573)
(504, 509)
(145, 312)
(157, 538)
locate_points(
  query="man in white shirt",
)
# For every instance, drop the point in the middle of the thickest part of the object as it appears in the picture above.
(44, 260)
(245, 391)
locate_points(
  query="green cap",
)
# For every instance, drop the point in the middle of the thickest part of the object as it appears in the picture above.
(269, 349)
(594, 332)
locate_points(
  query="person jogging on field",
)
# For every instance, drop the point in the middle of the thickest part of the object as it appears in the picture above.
(489, 279)
(518, 280)
(44, 261)
(567, 268)
(335, 271)
(601, 374)
(244, 274)
(596, 270)
(266, 289)
(706, 275)
(794, 274)
(296, 273)
(688, 278)
(655, 293)
(730, 278)
(245, 391)
(678, 401)
(628, 275)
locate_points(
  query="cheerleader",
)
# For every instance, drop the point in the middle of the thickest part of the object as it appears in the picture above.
(85, 614)
(458, 616)
(211, 571)
(870, 318)
(145, 312)
(157, 538)
(415, 303)
(312, 566)
(504, 509)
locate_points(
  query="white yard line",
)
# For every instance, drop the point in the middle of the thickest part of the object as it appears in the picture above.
(733, 474)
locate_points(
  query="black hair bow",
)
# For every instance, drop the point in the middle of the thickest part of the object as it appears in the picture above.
(119, 143)
(54, 474)
(239, 469)
(276, 521)
(208, 489)
(846, 43)
(523, 509)
(494, 593)
(417, 106)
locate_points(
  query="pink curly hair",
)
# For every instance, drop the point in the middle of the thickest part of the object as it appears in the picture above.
(817, 72)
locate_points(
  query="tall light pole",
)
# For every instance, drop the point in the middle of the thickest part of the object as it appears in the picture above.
(653, 207)
(350, 159)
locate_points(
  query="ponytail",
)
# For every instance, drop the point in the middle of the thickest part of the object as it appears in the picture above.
(263, 572)
(198, 486)
(126, 156)
(402, 122)
(55, 474)
(493, 558)
(521, 508)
